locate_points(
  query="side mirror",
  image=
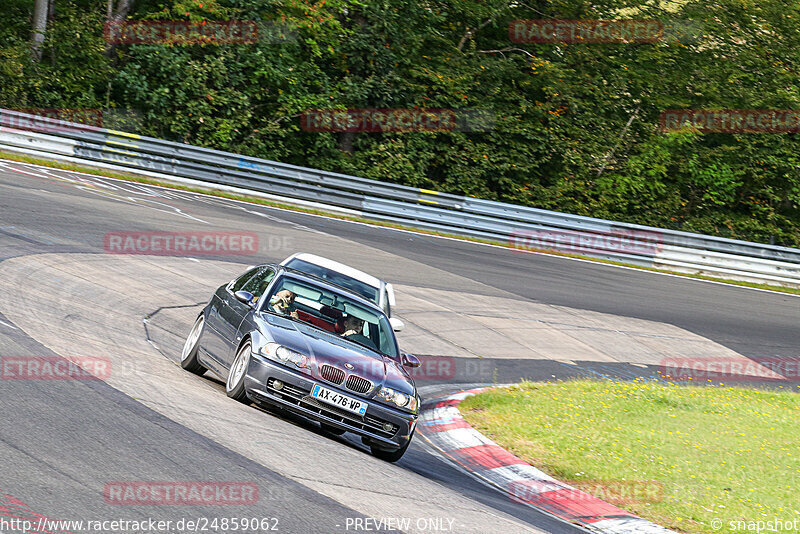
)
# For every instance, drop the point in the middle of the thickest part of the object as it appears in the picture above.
(397, 324)
(245, 297)
(390, 295)
(409, 360)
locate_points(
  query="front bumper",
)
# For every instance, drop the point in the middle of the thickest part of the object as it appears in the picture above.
(295, 396)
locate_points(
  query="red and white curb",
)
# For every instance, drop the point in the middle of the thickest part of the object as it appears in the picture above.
(452, 435)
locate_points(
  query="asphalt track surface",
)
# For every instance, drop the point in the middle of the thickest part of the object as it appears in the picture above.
(62, 441)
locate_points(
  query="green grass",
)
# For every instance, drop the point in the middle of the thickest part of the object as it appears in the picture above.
(717, 452)
(131, 177)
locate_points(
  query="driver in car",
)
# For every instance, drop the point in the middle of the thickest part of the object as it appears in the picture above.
(283, 303)
(353, 328)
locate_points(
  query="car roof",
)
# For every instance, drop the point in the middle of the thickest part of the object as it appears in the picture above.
(329, 286)
(341, 268)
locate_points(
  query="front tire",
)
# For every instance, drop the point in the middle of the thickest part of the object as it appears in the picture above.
(390, 456)
(191, 346)
(234, 385)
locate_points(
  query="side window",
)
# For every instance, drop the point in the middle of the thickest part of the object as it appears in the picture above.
(237, 284)
(258, 283)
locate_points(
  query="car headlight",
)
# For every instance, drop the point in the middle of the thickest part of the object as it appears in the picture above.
(401, 400)
(285, 355)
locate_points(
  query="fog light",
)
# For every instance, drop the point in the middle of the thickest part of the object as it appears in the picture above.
(278, 385)
(388, 427)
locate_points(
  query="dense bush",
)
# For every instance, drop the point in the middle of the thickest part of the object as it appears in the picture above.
(577, 125)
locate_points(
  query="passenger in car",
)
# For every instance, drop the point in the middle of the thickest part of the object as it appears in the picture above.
(353, 328)
(283, 303)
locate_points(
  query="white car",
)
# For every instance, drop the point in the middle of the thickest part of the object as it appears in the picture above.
(359, 282)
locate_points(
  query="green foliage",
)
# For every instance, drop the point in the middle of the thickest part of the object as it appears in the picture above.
(694, 443)
(576, 129)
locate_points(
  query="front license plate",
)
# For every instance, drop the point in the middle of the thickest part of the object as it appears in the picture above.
(337, 399)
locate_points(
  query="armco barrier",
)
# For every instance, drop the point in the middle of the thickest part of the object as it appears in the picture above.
(525, 227)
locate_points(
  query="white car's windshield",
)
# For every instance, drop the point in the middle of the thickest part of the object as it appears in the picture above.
(356, 286)
(333, 312)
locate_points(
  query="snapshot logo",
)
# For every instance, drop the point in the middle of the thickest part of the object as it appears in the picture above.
(54, 368)
(756, 369)
(180, 493)
(182, 32)
(638, 242)
(731, 120)
(617, 492)
(775, 524)
(181, 243)
(585, 31)
(376, 120)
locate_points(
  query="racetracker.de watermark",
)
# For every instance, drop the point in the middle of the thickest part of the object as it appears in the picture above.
(437, 369)
(54, 368)
(183, 33)
(585, 31)
(617, 492)
(622, 492)
(731, 120)
(88, 116)
(637, 242)
(180, 493)
(440, 368)
(55, 119)
(181, 243)
(755, 369)
(377, 120)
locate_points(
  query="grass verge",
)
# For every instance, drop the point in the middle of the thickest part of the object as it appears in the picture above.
(131, 177)
(714, 453)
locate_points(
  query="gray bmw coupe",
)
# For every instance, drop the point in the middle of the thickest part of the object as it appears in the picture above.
(288, 339)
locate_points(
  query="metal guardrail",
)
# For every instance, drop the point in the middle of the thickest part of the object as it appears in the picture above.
(524, 227)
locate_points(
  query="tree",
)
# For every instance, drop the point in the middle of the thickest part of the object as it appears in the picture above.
(121, 10)
(41, 9)
(116, 15)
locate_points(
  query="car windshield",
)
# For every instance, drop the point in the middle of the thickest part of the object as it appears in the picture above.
(356, 286)
(333, 312)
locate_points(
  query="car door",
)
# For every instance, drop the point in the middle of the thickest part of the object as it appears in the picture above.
(214, 343)
(235, 311)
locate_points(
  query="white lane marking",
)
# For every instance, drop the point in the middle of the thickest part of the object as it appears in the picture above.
(461, 396)
(11, 326)
(632, 525)
(28, 173)
(519, 472)
(422, 234)
(440, 416)
(461, 438)
(91, 186)
(272, 218)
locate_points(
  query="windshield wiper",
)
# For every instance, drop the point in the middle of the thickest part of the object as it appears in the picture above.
(376, 351)
(293, 319)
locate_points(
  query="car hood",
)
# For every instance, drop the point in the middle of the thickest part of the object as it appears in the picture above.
(324, 347)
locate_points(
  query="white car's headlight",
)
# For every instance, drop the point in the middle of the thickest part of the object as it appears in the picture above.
(285, 355)
(401, 400)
